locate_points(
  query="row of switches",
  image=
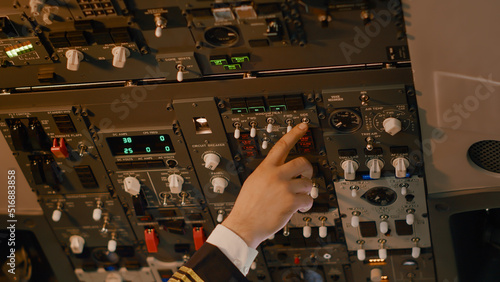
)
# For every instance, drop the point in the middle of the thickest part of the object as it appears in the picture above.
(120, 55)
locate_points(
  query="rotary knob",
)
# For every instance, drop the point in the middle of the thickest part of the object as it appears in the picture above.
(175, 182)
(375, 166)
(219, 184)
(76, 244)
(74, 58)
(400, 164)
(211, 160)
(132, 185)
(120, 55)
(392, 125)
(350, 167)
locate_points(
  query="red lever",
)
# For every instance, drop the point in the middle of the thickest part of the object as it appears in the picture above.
(152, 240)
(198, 237)
(59, 148)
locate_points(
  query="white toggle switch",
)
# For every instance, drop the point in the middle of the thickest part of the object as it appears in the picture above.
(269, 128)
(361, 254)
(375, 166)
(132, 185)
(376, 275)
(355, 221)
(404, 190)
(120, 55)
(175, 182)
(237, 132)
(220, 216)
(382, 253)
(158, 31)
(354, 193)
(160, 23)
(384, 227)
(306, 231)
(74, 58)
(392, 125)
(253, 131)
(314, 191)
(47, 17)
(400, 164)
(323, 231)
(219, 184)
(56, 215)
(76, 244)
(265, 143)
(112, 245)
(350, 167)
(253, 266)
(410, 219)
(96, 214)
(211, 160)
(180, 72)
(415, 252)
(289, 128)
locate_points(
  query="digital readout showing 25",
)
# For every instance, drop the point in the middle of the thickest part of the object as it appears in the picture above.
(143, 144)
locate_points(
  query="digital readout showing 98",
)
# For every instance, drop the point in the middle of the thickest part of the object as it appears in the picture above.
(143, 144)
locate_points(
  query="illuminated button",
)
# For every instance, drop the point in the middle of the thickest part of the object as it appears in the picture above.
(76, 244)
(211, 161)
(132, 185)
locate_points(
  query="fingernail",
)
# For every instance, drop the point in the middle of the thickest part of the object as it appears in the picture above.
(303, 125)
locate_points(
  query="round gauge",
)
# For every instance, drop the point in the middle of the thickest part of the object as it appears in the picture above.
(378, 120)
(380, 196)
(222, 36)
(346, 120)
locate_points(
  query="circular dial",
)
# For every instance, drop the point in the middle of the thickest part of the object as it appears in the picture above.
(346, 120)
(380, 196)
(378, 120)
(221, 36)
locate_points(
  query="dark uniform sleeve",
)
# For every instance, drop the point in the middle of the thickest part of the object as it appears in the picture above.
(208, 264)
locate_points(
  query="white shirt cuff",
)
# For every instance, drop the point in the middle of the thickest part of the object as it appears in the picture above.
(235, 249)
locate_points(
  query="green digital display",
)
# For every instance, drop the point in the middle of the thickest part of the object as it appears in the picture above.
(143, 144)
(241, 59)
(218, 62)
(232, 67)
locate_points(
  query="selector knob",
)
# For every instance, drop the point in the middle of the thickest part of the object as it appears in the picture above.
(76, 244)
(132, 185)
(219, 184)
(74, 58)
(314, 191)
(175, 182)
(400, 164)
(392, 125)
(211, 160)
(120, 55)
(375, 166)
(350, 167)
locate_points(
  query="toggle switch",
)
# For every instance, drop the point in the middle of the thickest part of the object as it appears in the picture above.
(219, 184)
(349, 167)
(392, 125)
(269, 127)
(120, 55)
(286, 230)
(355, 219)
(375, 166)
(160, 23)
(369, 143)
(382, 252)
(410, 216)
(74, 58)
(323, 231)
(361, 254)
(384, 225)
(400, 164)
(175, 182)
(314, 191)
(132, 185)
(180, 72)
(97, 213)
(253, 129)
(306, 230)
(265, 143)
(354, 190)
(35, 7)
(76, 244)
(59, 148)
(237, 131)
(220, 216)
(289, 126)
(211, 160)
(104, 228)
(112, 243)
(404, 188)
(415, 251)
(57, 213)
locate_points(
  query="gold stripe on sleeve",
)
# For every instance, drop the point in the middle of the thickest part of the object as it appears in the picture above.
(191, 273)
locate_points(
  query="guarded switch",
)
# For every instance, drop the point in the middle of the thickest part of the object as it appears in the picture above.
(175, 182)
(76, 244)
(132, 185)
(392, 125)
(219, 184)
(59, 148)
(120, 55)
(151, 239)
(211, 160)
(74, 58)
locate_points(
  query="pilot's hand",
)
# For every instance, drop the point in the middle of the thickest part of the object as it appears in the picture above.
(272, 193)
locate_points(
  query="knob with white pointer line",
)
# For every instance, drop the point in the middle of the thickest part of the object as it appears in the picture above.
(400, 164)
(375, 166)
(120, 55)
(211, 160)
(306, 231)
(392, 125)
(269, 127)
(350, 167)
(132, 185)
(175, 182)
(410, 216)
(74, 58)
(355, 219)
(57, 213)
(97, 212)
(76, 244)
(219, 184)
(253, 129)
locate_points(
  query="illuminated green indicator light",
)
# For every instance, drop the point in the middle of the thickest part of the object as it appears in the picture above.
(277, 108)
(257, 109)
(241, 59)
(239, 110)
(232, 67)
(19, 49)
(218, 62)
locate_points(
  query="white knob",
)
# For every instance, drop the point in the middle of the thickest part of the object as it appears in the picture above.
(114, 277)
(112, 245)
(376, 275)
(400, 164)
(289, 128)
(158, 31)
(269, 128)
(180, 75)
(354, 193)
(253, 132)
(175, 182)
(361, 254)
(74, 58)
(237, 133)
(253, 266)
(76, 244)
(375, 166)
(219, 184)
(120, 55)
(47, 17)
(382, 253)
(96, 214)
(211, 160)
(220, 217)
(56, 215)
(392, 125)
(410, 219)
(271, 237)
(415, 252)
(265, 143)
(355, 221)
(132, 185)
(314, 192)
(384, 227)
(323, 231)
(350, 167)
(36, 6)
(306, 231)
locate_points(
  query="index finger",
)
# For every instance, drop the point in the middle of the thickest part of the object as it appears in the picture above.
(280, 150)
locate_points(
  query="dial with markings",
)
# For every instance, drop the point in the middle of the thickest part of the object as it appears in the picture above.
(346, 120)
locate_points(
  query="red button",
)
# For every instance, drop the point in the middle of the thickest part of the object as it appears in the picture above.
(152, 240)
(198, 237)
(296, 260)
(59, 148)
